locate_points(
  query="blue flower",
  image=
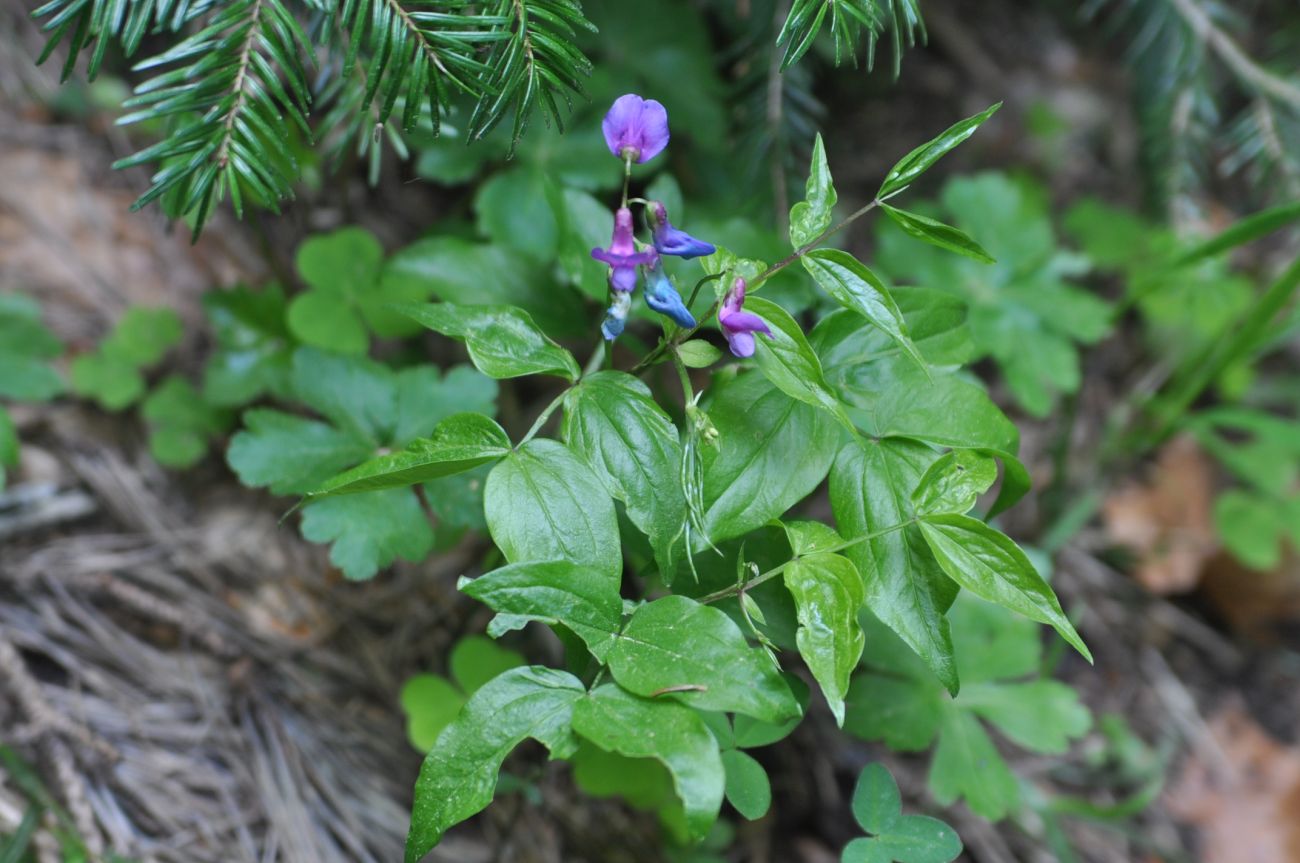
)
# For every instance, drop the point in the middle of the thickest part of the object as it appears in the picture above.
(739, 325)
(636, 128)
(661, 296)
(616, 316)
(672, 241)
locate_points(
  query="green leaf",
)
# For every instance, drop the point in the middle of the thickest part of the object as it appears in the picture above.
(611, 419)
(342, 263)
(827, 593)
(458, 271)
(181, 422)
(25, 347)
(896, 710)
(698, 354)
(917, 162)
(905, 838)
(513, 211)
(544, 503)
(503, 341)
(871, 485)
(643, 782)
(1252, 527)
(966, 764)
(936, 233)
(458, 443)
(991, 566)
(8, 445)
(555, 592)
(1243, 231)
(355, 393)
(587, 223)
(430, 703)
(113, 383)
(618, 721)
(696, 654)
(789, 362)
(811, 537)
(812, 216)
(253, 354)
(426, 396)
(954, 482)
(877, 806)
(142, 336)
(476, 659)
(749, 479)
(290, 454)
(327, 321)
(459, 774)
(369, 531)
(29, 378)
(748, 788)
(1042, 715)
(856, 288)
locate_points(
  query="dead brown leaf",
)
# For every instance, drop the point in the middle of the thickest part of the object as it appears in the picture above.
(1168, 519)
(1241, 791)
(1263, 605)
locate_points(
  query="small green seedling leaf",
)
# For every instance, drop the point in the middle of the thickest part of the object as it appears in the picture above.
(748, 788)
(698, 354)
(812, 216)
(898, 837)
(954, 482)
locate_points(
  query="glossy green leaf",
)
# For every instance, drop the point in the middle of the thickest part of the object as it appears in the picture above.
(459, 774)
(789, 362)
(936, 233)
(896, 710)
(544, 503)
(643, 782)
(427, 395)
(503, 341)
(749, 478)
(618, 721)
(954, 482)
(917, 162)
(991, 566)
(827, 593)
(871, 485)
(612, 420)
(327, 321)
(369, 531)
(812, 216)
(458, 443)
(748, 788)
(694, 653)
(555, 592)
(811, 537)
(856, 288)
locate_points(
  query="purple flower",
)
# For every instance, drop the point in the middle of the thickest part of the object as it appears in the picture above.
(636, 128)
(672, 241)
(661, 296)
(616, 317)
(738, 325)
(622, 255)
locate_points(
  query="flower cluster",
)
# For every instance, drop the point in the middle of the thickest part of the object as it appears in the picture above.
(636, 130)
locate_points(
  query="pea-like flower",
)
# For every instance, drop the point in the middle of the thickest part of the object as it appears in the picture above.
(636, 128)
(661, 296)
(673, 241)
(612, 327)
(738, 325)
(622, 256)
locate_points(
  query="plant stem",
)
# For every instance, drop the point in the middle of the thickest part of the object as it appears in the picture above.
(815, 242)
(772, 573)
(543, 417)
(627, 176)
